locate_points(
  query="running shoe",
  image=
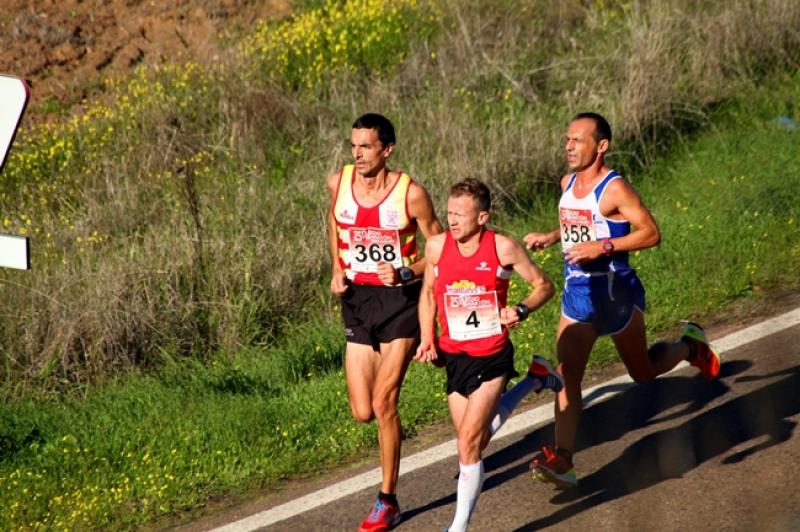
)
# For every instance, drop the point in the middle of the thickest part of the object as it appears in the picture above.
(549, 466)
(541, 370)
(705, 358)
(383, 516)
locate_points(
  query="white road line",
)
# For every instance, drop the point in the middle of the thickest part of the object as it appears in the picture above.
(518, 423)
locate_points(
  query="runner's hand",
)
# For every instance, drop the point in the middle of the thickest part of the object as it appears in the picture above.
(538, 241)
(338, 286)
(387, 274)
(509, 317)
(584, 252)
(426, 353)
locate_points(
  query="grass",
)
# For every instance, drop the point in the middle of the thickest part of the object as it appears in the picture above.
(176, 341)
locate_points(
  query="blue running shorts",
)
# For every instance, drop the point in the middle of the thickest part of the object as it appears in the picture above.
(605, 301)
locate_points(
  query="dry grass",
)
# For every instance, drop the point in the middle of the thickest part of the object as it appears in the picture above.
(211, 216)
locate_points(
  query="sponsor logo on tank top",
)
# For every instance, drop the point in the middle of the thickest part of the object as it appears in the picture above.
(390, 218)
(483, 267)
(346, 216)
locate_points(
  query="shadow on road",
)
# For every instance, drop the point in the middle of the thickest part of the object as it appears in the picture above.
(661, 455)
(670, 453)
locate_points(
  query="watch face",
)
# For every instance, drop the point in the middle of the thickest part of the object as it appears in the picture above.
(406, 274)
(608, 247)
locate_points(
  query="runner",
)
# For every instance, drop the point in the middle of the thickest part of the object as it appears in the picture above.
(372, 229)
(602, 294)
(467, 273)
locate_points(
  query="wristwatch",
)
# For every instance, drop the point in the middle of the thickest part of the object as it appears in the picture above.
(522, 310)
(608, 246)
(406, 274)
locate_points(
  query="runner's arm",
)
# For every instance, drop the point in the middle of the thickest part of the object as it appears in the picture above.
(628, 203)
(539, 241)
(426, 352)
(620, 198)
(420, 207)
(338, 285)
(511, 253)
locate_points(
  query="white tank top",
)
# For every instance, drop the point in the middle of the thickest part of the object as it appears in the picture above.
(580, 220)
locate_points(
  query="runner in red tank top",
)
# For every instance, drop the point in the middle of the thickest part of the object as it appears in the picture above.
(466, 283)
(372, 227)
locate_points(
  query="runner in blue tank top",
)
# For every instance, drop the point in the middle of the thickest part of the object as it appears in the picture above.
(602, 293)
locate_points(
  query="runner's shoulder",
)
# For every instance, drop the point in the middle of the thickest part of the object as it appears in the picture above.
(332, 181)
(507, 246)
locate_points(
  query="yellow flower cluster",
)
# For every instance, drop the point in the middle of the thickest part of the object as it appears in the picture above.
(358, 36)
(48, 173)
(32, 502)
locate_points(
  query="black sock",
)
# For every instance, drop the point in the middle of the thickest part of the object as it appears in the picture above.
(391, 498)
(692, 347)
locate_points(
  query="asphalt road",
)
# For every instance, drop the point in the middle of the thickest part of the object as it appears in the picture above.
(680, 453)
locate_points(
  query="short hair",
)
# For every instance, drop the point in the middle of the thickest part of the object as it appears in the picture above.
(475, 188)
(602, 129)
(379, 123)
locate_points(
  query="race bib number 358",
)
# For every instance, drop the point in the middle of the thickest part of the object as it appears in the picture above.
(472, 316)
(371, 245)
(576, 226)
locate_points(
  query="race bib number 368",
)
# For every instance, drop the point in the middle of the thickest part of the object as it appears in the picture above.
(371, 245)
(472, 316)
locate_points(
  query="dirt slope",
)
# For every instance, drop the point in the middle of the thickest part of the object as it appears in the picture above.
(64, 47)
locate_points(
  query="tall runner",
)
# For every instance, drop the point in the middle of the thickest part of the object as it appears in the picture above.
(602, 219)
(467, 272)
(373, 222)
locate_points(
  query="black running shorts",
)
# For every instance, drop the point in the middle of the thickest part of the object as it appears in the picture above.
(379, 314)
(466, 373)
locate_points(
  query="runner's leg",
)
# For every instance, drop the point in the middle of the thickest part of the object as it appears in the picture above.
(361, 368)
(471, 417)
(644, 365)
(394, 359)
(573, 346)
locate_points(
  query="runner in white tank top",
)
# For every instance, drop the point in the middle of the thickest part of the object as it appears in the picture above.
(602, 294)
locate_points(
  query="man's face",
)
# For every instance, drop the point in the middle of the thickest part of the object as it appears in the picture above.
(582, 149)
(463, 217)
(369, 153)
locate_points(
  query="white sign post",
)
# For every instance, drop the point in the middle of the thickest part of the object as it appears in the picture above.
(14, 250)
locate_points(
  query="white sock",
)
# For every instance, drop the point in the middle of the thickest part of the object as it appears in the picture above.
(470, 482)
(510, 400)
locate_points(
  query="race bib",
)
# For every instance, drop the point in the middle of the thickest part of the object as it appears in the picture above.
(577, 226)
(371, 245)
(472, 316)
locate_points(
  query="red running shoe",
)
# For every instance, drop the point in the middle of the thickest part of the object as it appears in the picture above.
(383, 516)
(549, 466)
(705, 358)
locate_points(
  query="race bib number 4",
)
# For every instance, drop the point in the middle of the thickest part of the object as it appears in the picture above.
(472, 316)
(576, 226)
(371, 245)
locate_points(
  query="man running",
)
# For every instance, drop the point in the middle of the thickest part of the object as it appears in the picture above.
(467, 271)
(602, 294)
(372, 233)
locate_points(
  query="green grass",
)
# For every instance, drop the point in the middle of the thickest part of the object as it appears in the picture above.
(146, 446)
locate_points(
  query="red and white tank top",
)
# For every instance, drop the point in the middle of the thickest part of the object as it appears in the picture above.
(469, 292)
(384, 232)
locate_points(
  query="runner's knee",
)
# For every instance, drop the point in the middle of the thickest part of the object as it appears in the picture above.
(384, 407)
(361, 413)
(469, 447)
(571, 371)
